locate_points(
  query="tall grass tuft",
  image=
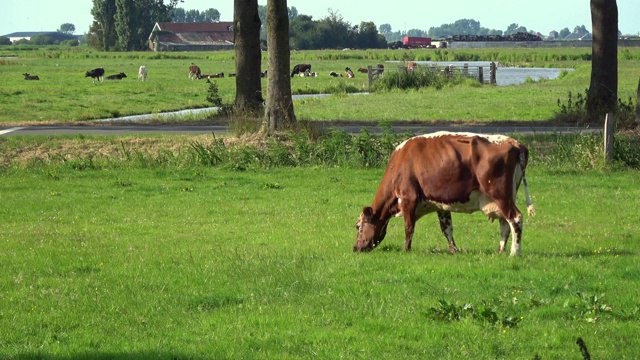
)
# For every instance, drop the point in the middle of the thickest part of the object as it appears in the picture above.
(574, 110)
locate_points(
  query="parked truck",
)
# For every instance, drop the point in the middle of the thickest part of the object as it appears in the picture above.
(416, 42)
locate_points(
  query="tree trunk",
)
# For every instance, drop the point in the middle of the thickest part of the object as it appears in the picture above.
(602, 96)
(279, 112)
(638, 106)
(246, 28)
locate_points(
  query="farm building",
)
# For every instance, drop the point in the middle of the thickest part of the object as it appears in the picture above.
(192, 36)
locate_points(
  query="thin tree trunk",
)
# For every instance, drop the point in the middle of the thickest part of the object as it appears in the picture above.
(246, 28)
(279, 112)
(602, 96)
(638, 106)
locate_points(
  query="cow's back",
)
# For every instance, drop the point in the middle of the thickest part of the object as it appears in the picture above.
(447, 167)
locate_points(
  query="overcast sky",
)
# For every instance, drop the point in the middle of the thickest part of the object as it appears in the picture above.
(537, 15)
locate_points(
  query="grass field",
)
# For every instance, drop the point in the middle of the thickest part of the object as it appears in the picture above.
(64, 95)
(183, 247)
(207, 263)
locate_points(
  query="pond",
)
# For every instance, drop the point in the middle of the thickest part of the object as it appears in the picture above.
(504, 75)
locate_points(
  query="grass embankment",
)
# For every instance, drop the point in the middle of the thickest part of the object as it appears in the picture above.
(64, 95)
(123, 251)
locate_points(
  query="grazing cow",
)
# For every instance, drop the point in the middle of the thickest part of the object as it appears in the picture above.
(142, 73)
(30, 77)
(300, 68)
(335, 74)
(448, 172)
(97, 73)
(194, 72)
(117, 76)
(349, 73)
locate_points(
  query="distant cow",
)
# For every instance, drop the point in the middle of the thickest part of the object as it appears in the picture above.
(117, 76)
(300, 69)
(448, 172)
(264, 74)
(362, 70)
(349, 73)
(211, 76)
(97, 73)
(335, 74)
(194, 72)
(142, 73)
(30, 77)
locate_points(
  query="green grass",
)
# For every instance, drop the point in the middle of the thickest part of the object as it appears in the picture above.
(64, 95)
(204, 263)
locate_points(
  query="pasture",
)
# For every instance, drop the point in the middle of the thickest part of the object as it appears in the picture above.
(167, 247)
(64, 95)
(145, 248)
(207, 263)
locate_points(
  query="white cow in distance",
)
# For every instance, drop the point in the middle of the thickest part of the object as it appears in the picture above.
(142, 73)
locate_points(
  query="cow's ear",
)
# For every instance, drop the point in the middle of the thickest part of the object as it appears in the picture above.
(367, 211)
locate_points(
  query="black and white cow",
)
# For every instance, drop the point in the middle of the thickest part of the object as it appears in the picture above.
(97, 73)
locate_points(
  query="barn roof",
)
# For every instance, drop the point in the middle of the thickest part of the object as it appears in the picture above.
(226, 26)
(220, 33)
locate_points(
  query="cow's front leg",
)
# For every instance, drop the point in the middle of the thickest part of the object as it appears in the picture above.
(446, 225)
(409, 213)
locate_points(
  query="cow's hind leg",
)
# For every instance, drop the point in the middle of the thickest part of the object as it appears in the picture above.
(446, 225)
(516, 234)
(505, 231)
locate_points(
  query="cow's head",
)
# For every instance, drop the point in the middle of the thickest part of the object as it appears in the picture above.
(371, 230)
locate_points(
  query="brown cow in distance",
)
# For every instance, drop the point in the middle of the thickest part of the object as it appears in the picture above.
(194, 72)
(448, 172)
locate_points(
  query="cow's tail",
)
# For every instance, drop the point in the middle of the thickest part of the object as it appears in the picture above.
(531, 210)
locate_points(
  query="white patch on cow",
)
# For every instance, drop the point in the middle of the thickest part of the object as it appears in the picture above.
(477, 202)
(496, 139)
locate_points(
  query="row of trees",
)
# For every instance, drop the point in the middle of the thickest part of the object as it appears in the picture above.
(180, 15)
(125, 25)
(468, 27)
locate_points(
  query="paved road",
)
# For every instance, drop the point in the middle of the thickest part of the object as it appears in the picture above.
(222, 129)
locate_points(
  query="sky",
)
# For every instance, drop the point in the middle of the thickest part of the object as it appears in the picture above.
(538, 15)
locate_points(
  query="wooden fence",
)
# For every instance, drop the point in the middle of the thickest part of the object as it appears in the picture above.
(475, 72)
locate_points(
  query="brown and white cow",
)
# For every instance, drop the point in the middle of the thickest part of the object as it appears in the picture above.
(194, 71)
(448, 172)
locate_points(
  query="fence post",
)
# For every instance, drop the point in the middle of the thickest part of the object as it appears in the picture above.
(465, 70)
(609, 123)
(370, 76)
(480, 75)
(492, 73)
(638, 105)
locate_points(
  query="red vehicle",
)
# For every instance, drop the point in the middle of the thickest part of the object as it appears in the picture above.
(414, 41)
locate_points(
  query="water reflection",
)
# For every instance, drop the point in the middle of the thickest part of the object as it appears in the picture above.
(504, 75)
